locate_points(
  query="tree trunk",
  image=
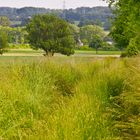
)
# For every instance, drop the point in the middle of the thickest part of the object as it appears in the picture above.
(49, 53)
(96, 50)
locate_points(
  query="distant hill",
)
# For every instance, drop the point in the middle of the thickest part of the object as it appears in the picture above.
(81, 16)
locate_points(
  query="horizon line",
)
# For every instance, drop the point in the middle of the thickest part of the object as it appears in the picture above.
(50, 8)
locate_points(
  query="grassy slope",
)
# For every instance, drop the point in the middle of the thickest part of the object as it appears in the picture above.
(71, 100)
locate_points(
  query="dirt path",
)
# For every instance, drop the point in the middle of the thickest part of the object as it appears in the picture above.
(75, 55)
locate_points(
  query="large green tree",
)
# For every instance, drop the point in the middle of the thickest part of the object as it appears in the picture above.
(96, 43)
(88, 32)
(52, 34)
(126, 25)
(93, 36)
(76, 32)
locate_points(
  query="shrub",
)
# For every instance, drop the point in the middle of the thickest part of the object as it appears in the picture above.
(115, 86)
(132, 49)
(19, 46)
(3, 42)
(124, 54)
(86, 48)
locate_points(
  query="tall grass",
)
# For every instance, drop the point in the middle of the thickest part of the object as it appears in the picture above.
(45, 100)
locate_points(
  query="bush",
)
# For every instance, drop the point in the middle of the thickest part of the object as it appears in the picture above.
(115, 86)
(132, 49)
(124, 54)
(110, 48)
(19, 46)
(86, 48)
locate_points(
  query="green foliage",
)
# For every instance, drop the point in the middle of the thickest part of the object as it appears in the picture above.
(115, 85)
(109, 47)
(19, 46)
(16, 35)
(84, 22)
(76, 32)
(133, 47)
(132, 50)
(85, 47)
(93, 36)
(124, 54)
(4, 21)
(96, 43)
(3, 42)
(87, 33)
(51, 34)
(126, 26)
(84, 15)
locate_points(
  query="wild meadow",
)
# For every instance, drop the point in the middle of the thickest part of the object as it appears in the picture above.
(70, 74)
(72, 99)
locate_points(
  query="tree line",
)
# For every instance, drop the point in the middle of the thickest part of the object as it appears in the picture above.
(54, 35)
(81, 16)
(44, 32)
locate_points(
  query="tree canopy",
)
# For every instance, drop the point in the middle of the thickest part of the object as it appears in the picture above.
(76, 32)
(52, 34)
(126, 26)
(92, 35)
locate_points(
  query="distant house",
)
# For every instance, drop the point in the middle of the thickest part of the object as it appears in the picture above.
(110, 42)
(80, 42)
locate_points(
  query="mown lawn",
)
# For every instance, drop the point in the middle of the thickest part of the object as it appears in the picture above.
(69, 98)
(77, 52)
(99, 52)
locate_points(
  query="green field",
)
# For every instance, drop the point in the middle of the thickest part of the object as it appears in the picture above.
(69, 98)
(77, 52)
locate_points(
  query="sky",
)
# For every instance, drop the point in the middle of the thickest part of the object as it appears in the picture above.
(52, 4)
